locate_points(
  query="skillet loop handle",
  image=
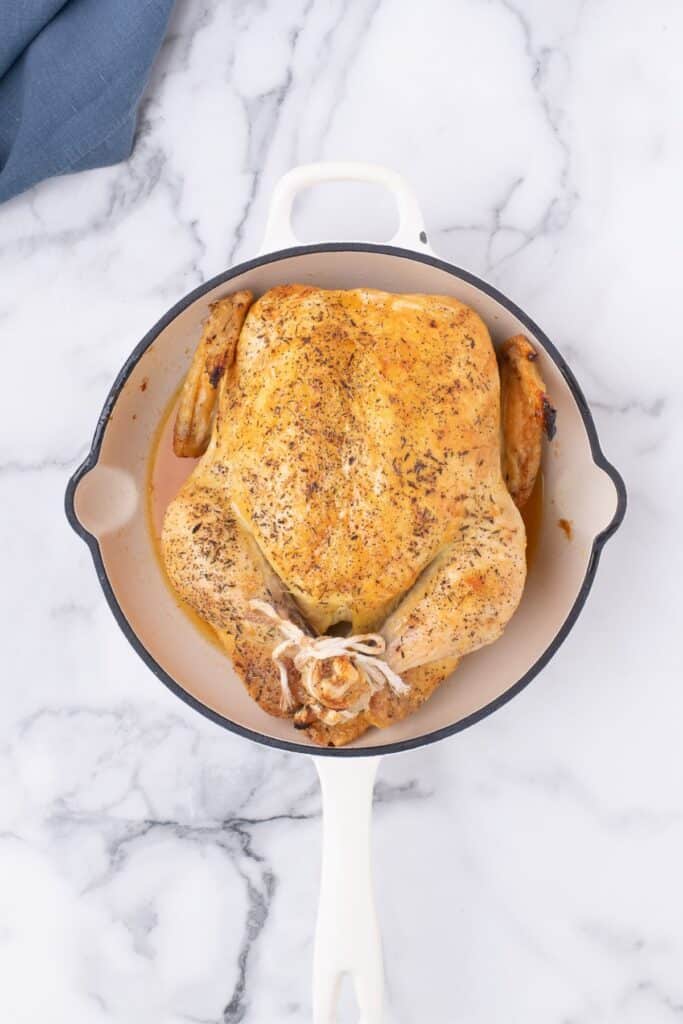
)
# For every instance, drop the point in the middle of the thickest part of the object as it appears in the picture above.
(279, 233)
(347, 939)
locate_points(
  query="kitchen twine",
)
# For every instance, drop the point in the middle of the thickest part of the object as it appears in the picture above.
(364, 650)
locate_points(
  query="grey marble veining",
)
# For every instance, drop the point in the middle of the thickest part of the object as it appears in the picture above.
(154, 868)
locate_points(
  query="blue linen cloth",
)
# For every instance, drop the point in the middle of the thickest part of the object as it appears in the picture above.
(71, 76)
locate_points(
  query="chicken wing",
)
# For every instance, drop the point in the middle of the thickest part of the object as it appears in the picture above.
(213, 356)
(525, 414)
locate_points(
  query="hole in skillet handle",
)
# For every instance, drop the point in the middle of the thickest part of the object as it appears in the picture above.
(344, 211)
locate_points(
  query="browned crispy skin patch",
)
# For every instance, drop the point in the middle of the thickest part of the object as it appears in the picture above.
(525, 414)
(213, 355)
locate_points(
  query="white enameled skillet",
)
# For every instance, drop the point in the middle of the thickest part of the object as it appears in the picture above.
(105, 503)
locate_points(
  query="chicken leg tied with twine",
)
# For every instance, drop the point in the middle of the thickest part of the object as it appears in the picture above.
(364, 651)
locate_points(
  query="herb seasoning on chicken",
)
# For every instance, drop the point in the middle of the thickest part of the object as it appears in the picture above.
(351, 474)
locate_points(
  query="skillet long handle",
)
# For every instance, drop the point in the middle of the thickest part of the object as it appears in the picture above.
(347, 939)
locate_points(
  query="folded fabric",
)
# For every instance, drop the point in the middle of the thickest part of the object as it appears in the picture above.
(71, 76)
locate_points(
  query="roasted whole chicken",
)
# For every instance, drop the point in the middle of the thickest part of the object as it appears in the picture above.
(352, 528)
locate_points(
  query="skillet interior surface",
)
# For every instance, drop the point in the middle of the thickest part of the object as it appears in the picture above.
(105, 503)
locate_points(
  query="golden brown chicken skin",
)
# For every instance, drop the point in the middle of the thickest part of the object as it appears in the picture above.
(526, 414)
(352, 480)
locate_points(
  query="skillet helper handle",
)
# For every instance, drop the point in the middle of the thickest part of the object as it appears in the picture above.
(347, 939)
(279, 233)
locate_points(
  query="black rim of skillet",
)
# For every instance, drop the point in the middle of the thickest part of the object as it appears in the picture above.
(389, 748)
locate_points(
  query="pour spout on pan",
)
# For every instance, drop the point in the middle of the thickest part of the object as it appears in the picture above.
(104, 499)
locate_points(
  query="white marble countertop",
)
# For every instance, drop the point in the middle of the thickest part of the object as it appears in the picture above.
(156, 869)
